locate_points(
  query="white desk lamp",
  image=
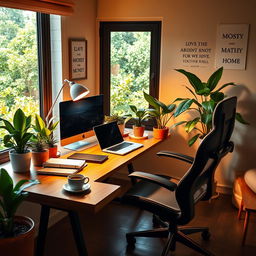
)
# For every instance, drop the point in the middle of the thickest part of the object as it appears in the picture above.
(77, 92)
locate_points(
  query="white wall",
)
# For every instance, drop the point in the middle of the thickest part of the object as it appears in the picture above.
(182, 21)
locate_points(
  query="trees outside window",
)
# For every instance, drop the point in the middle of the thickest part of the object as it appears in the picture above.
(129, 64)
(18, 63)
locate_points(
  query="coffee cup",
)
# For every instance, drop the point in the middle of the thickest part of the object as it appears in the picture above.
(76, 181)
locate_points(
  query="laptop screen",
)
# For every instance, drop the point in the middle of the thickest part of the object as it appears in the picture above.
(108, 134)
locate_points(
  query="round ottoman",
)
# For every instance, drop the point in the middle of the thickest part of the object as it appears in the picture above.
(250, 179)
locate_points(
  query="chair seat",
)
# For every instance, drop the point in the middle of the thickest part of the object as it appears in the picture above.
(154, 198)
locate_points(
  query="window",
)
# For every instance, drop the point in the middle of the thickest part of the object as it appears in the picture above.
(129, 63)
(22, 60)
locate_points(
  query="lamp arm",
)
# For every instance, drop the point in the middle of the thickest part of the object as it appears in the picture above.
(50, 111)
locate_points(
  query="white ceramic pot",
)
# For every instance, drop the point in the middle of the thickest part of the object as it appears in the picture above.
(20, 162)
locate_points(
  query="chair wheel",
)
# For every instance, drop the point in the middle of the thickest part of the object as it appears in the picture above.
(130, 240)
(206, 235)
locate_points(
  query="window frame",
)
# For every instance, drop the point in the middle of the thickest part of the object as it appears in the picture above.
(105, 29)
(44, 70)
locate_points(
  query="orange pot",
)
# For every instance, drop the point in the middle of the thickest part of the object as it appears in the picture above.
(38, 158)
(22, 244)
(53, 152)
(160, 133)
(138, 131)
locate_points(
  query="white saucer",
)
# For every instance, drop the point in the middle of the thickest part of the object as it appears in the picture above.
(85, 188)
(145, 136)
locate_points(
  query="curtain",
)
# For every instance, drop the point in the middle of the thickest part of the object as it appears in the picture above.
(59, 7)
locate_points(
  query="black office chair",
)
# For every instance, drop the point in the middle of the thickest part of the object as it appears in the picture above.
(175, 203)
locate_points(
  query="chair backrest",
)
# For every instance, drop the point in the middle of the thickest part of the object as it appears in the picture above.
(197, 183)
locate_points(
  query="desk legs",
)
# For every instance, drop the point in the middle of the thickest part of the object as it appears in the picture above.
(44, 218)
(131, 170)
(77, 232)
(76, 228)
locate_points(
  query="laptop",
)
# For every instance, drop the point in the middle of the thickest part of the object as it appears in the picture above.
(111, 139)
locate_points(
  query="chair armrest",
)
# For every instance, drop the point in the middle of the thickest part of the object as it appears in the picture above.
(155, 179)
(185, 158)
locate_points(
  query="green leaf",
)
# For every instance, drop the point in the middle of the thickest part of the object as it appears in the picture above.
(183, 106)
(225, 85)
(193, 140)
(28, 122)
(205, 91)
(19, 184)
(39, 122)
(208, 105)
(240, 119)
(191, 124)
(206, 118)
(8, 126)
(171, 107)
(217, 96)
(180, 99)
(133, 108)
(19, 120)
(192, 78)
(152, 101)
(191, 91)
(214, 79)
(6, 183)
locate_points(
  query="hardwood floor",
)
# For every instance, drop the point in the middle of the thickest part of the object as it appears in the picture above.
(105, 232)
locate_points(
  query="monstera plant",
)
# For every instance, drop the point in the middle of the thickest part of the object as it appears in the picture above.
(205, 96)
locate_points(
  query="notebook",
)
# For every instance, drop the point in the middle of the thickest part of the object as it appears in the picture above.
(64, 163)
(90, 158)
(111, 140)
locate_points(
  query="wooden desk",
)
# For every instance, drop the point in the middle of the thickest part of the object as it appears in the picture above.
(51, 195)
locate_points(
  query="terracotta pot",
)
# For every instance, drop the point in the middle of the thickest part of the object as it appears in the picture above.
(20, 162)
(38, 158)
(121, 128)
(160, 133)
(22, 244)
(53, 152)
(138, 131)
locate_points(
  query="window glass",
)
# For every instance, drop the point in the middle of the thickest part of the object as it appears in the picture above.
(18, 63)
(130, 66)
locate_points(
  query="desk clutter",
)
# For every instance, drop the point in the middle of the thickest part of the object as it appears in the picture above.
(61, 167)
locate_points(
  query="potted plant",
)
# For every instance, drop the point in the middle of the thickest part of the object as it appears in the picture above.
(205, 96)
(46, 131)
(40, 152)
(17, 140)
(16, 232)
(140, 115)
(116, 118)
(162, 114)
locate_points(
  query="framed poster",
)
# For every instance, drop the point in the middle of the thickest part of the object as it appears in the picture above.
(231, 49)
(78, 58)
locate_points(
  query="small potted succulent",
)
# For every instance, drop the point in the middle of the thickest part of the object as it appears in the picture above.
(40, 152)
(16, 232)
(17, 140)
(116, 118)
(161, 113)
(140, 115)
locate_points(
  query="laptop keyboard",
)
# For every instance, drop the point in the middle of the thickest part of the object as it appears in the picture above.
(121, 146)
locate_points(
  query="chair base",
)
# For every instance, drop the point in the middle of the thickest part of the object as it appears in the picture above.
(180, 235)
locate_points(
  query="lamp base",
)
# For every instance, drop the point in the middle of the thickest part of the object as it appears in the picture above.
(77, 145)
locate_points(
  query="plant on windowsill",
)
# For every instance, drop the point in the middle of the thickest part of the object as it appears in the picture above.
(161, 113)
(205, 97)
(17, 140)
(139, 115)
(116, 118)
(16, 232)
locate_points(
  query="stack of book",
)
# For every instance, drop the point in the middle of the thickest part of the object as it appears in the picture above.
(61, 167)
